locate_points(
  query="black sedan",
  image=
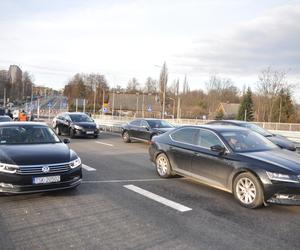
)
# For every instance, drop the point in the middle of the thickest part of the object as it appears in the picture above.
(34, 159)
(75, 124)
(144, 129)
(230, 158)
(279, 140)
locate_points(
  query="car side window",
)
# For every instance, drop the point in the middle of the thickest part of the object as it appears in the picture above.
(144, 123)
(207, 139)
(185, 135)
(135, 123)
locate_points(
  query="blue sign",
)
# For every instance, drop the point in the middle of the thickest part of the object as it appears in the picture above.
(49, 104)
(105, 110)
(149, 109)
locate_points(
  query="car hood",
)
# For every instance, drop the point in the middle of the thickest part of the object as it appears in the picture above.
(280, 157)
(86, 125)
(282, 142)
(35, 154)
(162, 130)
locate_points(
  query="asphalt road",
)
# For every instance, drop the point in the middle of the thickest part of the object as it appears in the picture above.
(103, 214)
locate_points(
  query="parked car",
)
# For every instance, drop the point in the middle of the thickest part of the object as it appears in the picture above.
(144, 129)
(34, 159)
(75, 124)
(5, 118)
(279, 140)
(230, 158)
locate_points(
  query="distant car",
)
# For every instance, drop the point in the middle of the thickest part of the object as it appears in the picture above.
(144, 129)
(75, 124)
(230, 158)
(279, 140)
(34, 159)
(5, 118)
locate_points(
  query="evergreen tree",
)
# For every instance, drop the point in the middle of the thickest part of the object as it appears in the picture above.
(246, 107)
(284, 110)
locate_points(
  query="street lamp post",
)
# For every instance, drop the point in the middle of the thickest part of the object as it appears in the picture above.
(137, 104)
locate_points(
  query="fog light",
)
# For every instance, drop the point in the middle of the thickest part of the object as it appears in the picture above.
(285, 196)
(6, 185)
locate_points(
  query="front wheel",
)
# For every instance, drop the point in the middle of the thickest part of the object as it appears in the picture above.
(126, 137)
(248, 190)
(163, 166)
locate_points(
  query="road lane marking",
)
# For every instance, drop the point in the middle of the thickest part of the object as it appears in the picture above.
(88, 168)
(160, 199)
(120, 181)
(106, 144)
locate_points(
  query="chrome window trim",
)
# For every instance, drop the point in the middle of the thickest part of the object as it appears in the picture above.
(195, 145)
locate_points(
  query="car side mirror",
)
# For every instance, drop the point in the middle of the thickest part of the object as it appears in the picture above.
(218, 148)
(146, 127)
(66, 141)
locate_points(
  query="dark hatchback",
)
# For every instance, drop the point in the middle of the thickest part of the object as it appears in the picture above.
(230, 158)
(75, 124)
(144, 129)
(279, 140)
(34, 159)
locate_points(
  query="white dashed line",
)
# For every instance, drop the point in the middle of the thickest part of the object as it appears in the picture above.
(106, 144)
(120, 181)
(155, 197)
(88, 168)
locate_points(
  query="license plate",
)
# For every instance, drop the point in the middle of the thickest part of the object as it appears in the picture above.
(46, 179)
(89, 132)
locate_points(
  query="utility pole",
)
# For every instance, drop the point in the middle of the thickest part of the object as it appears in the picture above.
(178, 108)
(4, 98)
(137, 104)
(279, 120)
(245, 116)
(95, 92)
(113, 103)
(143, 105)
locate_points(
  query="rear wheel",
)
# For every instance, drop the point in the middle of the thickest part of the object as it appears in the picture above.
(248, 190)
(163, 166)
(72, 135)
(126, 137)
(57, 130)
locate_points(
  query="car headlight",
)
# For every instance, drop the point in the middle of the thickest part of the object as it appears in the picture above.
(283, 177)
(97, 126)
(76, 163)
(8, 168)
(78, 127)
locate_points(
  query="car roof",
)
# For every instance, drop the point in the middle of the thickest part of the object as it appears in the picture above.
(217, 128)
(23, 123)
(237, 122)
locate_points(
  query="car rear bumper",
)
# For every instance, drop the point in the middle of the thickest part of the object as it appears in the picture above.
(14, 183)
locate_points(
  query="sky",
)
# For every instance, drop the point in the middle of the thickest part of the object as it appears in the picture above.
(54, 40)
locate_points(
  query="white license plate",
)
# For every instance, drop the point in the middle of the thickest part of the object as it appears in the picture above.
(46, 179)
(89, 132)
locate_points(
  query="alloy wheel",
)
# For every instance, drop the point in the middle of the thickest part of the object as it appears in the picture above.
(162, 165)
(246, 190)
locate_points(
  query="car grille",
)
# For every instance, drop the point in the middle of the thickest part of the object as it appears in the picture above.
(38, 169)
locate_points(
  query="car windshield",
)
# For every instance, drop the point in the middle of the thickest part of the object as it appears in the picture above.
(159, 124)
(27, 134)
(257, 129)
(80, 118)
(247, 141)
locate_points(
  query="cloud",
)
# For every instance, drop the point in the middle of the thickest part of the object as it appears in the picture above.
(271, 40)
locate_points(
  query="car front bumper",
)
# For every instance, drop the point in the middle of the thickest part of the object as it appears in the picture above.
(15, 183)
(283, 193)
(86, 133)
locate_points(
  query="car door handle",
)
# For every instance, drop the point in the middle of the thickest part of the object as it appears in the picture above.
(197, 154)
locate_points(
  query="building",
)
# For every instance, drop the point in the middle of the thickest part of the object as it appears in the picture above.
(15, 74)
(228, 110)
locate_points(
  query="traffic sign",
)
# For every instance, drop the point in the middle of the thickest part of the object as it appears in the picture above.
(149, 109)
(49, 104)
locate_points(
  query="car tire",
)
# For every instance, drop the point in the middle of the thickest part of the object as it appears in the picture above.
(71, 133)
(248, 190)
(126, 137)
(163, 167)
(57, 130)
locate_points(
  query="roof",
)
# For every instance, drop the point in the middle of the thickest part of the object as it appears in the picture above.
(218, 128)
(23, 123)
(230, 108)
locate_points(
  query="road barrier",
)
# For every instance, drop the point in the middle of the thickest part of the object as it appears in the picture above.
(113, 124)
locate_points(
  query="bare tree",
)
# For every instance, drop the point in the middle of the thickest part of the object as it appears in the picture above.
(151, 85)
(133, 86)
(270, 83)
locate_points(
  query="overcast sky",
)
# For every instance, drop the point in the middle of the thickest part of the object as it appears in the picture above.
(124, 39)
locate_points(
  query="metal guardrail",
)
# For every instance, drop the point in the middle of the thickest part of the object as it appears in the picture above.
(113, 124)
